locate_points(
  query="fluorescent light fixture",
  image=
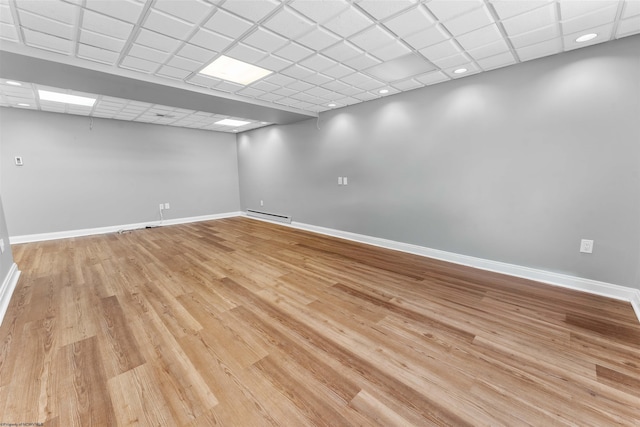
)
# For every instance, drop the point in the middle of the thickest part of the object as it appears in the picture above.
(460, 71)
(231, 122)
(383, 91)
(22, 104)
(13, 83)
(45, 95)
(586, 37)
(234, 71)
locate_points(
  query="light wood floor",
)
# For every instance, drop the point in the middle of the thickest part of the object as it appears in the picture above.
(237, 322)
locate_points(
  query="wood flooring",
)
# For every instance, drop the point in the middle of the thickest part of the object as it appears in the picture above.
(238, 322)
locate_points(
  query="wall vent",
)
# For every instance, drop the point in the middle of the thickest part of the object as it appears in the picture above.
(270, 216)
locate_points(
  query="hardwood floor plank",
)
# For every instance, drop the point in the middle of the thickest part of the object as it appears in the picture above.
(243, 322)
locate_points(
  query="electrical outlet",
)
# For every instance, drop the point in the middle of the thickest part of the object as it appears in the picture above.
(586, 246)
(261, 202)
(344, 181)
(161, 206)
(167, 205)
(339, 180)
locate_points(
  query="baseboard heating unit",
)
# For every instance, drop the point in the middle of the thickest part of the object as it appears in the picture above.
(270, 216)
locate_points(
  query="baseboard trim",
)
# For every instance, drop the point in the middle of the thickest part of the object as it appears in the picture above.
(115, 228)
(6, 291)
(557, 279)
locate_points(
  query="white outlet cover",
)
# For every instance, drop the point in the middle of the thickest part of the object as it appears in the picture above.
(339, 180)
(167, 205)
(344, 181)
(586, 246)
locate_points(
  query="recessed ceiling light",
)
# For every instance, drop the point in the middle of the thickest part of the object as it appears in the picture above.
(45, 95)
(265, 123)
(460, 71)
(586, 37)
(231, 122)
(22, 104)
(234, 71)
(383, 91)
(13, 83)
(331, 105)
(235, 130)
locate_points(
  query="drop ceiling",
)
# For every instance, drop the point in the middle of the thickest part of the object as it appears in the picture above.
(323, 54)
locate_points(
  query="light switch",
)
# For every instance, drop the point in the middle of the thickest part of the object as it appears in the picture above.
(344, 181)
(19, 161)
(339, 180)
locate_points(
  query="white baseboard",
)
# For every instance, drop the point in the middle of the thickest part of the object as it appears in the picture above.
(6, 291)
(566, 281)
(115, 228)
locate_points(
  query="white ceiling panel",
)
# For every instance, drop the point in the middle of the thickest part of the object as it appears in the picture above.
(319, 51)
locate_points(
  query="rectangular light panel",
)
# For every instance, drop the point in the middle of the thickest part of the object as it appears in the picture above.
(230, 69)
(231, 122)
(46, 95)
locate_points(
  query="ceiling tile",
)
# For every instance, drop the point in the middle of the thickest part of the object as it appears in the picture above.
(229, 87)
(253, 10)
(138, 64)
(361, 62)
(294, 52)
(318, 39)
(451, 61)
(549, 47)
(5, 14)
(530, 21)
(432, 78)
(631, 8)
(342, 52)
(320, 10)
(192, 11)
(366, 96)
(101, 41)
(47, 42)
(497, 61)
(391, 51)
(629, 26)
(270, 97)
(279, 80)
(572, 8)
(245, 53)
(297, 72)
(338, 71)
(205, 81)
(289, 23)
(52, 9)
(440, 50)
(463, 24)
(185, 64)
(535, 36)
(265, 40)
(210, 40)
(336, 86)
(273, 63)
(264, 86)
(410, 22)
(148, 53)
(447, 9)
(168, 25)
(372, 38)
(125, 10)
(381, 9)
(489, 49)
(471, 69)
(317, 79)
(479, 37)
(590, 20)
(317, 62)
(299, 86)
(508, 8)
(227, 24)
(46, 25)
(348, 22)
(283, 91)
(8, 32)
(157, 41)
(105, 25)
(400, 68)
(97, 54)
(408, 84)
(251, 92)
(428, 37)
(197, 53)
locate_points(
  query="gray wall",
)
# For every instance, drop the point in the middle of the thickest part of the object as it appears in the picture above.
(6, 259)
(514, 165)
(116, 173)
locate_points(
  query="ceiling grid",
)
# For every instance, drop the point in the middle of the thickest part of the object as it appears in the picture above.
(322, 54)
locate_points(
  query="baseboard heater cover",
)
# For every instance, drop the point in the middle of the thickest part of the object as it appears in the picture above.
(270, 216)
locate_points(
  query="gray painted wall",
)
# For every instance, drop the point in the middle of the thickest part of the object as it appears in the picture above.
(116, 173)
(515, 165)
(6, 259)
